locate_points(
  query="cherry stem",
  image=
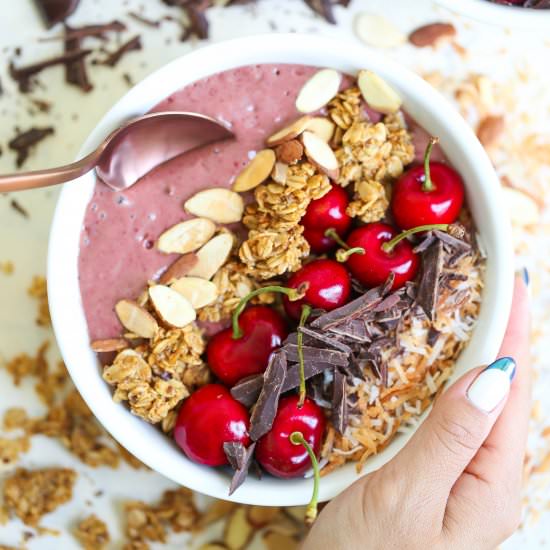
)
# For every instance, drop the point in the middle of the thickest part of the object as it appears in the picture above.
(343, 255)
(293, 294)
(297, 438)
(390, 245)
(428, 183)
(306, 310)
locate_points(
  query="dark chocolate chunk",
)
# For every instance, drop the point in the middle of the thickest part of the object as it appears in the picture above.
(323, 338)
(18, 208)
(75, 71)
(247, 391)
(25, 141)
(356, 330)
(311, 369)
(424, 243)
(55, 11)
(428, 290)
(198, 22)
(240, 460)
(144, 20)
(332, 356)
(323, 8)
(316, 390)
(339, 402)
(451, 241)
(113, 58)
(433, 335)
(98, 31)
(266, 408)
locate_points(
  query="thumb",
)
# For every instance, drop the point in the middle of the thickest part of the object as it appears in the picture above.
(457, 426)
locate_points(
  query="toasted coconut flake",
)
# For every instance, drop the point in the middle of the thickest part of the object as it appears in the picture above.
(216, 204)
(173, 308)
(136, 319)
(523, 210)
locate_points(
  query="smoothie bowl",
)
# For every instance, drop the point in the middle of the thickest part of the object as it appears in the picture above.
(323, 274)
(513, 14)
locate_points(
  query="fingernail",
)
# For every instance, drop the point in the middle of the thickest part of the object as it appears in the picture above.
(492, 384)
(525, 276)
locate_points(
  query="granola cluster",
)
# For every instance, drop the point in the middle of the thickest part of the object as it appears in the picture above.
(92, 533)
(156, 376)
(32, 494)
(233, 284)
(275, 243)
(39, 291)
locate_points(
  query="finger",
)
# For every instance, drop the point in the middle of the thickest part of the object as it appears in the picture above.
(455, 430)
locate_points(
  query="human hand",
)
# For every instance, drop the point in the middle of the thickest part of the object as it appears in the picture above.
(457, 483)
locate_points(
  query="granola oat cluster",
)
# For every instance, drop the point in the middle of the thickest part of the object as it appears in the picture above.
(92, 533)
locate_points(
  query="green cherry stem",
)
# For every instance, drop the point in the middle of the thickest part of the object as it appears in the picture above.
(343, 255)
(306, 310)
(428, 183)
(293, 294)
(297, 438)
(390, 245)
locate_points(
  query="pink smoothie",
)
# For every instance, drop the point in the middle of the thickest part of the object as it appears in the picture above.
(117, 253)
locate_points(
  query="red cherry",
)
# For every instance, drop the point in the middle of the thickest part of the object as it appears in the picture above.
(232, 359)
(207, 420)
(374, 266)
(325, 213)
(329, 286)
(429, 194)
(276, 453)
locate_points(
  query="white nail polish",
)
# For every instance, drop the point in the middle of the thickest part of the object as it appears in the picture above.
(492, 385)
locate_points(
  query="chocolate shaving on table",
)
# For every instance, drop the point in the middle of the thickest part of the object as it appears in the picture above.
(240, 460)
(323, 338)
(98, 31)
(75, 71)
(428, 289)
(113, 58)
(247, 391)
(19, 209)
(153, 23)
(23, 75)
(55, 11)
(198, 23)
(266, 407)
(322, 355)
(25, 141)
(311, 369)
(355, 308)
(339, 402)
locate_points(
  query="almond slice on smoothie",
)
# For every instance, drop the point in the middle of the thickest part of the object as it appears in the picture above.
(289, 132)
(212, 256)
(322, 127)
(186, 236)
(378, 94)
(181, 267)
(199, 292)
(320, 153)
(318, 90)
(173, 309)
(256, 172)
(136, 319)
(217, 204)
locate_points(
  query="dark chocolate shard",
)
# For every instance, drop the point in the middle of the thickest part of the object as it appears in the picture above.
(311, 369)
(19, 209)
(198, 22)
(98, 31)
(247, 391)
(339, 402)
(331, 356)
(113, 58)
(424, 243)
(266, 408)
(323, 8)
(55, 11)
(317, 391)
(356, 330)
(240, 460)
(433, 335)
(152, 23)
(325, 339)
(23, 143)
(75, 71)
(451, 241)
(428, 290)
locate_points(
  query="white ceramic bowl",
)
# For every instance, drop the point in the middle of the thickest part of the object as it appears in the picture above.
(420, 100)
(510, 17)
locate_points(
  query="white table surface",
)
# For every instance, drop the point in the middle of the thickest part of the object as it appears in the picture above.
(492, 51)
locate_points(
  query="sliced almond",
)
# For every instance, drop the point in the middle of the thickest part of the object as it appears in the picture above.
(110, 344)
(217, 204)
(280, 172)
(378, 94)
(217, 510)
(179, 268)
(199, 292)
(378, 31)
(238, 530)
(186, 236)
(284, 525)
(260, 516)
(522, 208)
(212, 256)
(277, 541)
(432, 34)
(174, 310)
(320, 154)
(256, 172)
(136, 319)
(289, 132)
(318, 90)
(322, 127)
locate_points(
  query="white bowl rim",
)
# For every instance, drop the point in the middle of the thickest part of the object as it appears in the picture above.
(512, 17)
(430, 109)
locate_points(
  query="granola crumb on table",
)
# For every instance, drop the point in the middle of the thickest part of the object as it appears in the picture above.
(92, 533)
(39, 291)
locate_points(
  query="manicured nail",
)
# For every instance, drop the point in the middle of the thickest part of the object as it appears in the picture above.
(492, 384)
(525, 276)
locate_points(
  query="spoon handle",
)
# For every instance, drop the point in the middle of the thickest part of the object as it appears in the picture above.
(51, 176)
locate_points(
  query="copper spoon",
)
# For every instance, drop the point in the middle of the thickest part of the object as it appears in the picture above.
(131, 151)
